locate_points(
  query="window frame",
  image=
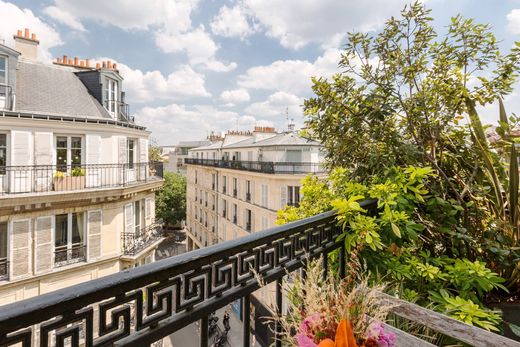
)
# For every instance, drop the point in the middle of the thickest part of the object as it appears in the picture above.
(69, 165)
(70, 246)
(4, 148)
(130, 158)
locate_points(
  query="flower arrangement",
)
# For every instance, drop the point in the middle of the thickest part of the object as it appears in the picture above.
(334, 313)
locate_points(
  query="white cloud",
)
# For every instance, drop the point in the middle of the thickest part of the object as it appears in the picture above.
(133, 14)
(296, 23)
(292, 76)
(64, 18)
(232, 22)
(177, 122)
(236, 96)
(169, 21)
(275, 107)
(153, 85)
(15, 18)
(513, 21)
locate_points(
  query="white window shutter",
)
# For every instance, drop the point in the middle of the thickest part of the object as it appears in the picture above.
(43, 148)
(20, 259)
(20, 151)
(94, 224)
(122, 150)
(129, 218)
(283, 196)
(43, 248)
(143, 150)
(43, 155)
(148, 209)
(93, 146)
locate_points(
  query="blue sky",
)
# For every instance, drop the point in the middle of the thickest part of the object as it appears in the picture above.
(192, 67)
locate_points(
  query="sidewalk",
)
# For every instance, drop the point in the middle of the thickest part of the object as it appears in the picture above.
(189, 336)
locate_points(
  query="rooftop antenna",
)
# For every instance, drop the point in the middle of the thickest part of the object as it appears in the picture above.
(287, 116)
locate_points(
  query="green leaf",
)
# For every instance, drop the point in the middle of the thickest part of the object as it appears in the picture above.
(513, 186)
(503, 115)
(396, 230)
(514, 328)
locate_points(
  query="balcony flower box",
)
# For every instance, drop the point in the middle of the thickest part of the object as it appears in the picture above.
(75, 181)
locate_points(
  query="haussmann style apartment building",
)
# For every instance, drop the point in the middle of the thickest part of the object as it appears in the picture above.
(76, 190)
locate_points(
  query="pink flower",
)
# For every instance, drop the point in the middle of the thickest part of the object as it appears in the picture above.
(309, 324)
(305, 341)
(377, 332)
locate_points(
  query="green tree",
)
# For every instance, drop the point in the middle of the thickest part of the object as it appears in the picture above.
(154, 153)
(400, 100)
(170, 201)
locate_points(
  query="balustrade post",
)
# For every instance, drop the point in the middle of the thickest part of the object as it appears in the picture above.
(204, 332)
(246, 314)
(278, 326)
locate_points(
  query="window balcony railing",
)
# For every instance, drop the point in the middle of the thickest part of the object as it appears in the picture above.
(123, 110)
(213, 186)
(235, 219)
(248, 226)
(133, 243)
(224, 213)
(224, 189)
(4, 269)
(7, 97)
(142, 305)
(62, 178)
(260, 166)
(65, 256)
(235, 193)
(248, 197)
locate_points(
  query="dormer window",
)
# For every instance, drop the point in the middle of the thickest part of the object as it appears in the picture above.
(3, 82)
(111, 96)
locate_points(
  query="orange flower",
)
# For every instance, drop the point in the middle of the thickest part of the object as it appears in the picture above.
(344, 337)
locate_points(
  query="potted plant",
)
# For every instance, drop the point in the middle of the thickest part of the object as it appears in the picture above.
(76, 179)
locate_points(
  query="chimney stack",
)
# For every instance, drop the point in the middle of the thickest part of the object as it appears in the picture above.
(27, 44)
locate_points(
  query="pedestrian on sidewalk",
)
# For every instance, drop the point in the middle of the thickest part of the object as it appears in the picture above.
(225, 320)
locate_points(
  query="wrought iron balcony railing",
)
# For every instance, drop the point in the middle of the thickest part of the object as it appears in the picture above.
(142, 305)
(120, 108)
(134, 243)
(248, 197)
(58, 178)
(260, 166)
(7, 97)
(69, 255)
(4, 269)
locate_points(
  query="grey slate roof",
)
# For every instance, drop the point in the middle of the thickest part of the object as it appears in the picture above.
(282, 139)
(54, 90)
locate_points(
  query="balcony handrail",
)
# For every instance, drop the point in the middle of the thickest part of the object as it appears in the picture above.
(175, 292)
(18, 179)
(135, 242)
(261, 166)
(173, 271)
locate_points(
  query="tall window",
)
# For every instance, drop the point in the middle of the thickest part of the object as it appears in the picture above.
(235, 187)
(293, 196)
(264, 195)
(248, 219)
(111, 96)
(224, 184)
(248, 190)
(69, 236)
(235, 213)
(3, 153)
(3, 250)
(131, 153)
(68, 152)
(138, 215)
(3, 81)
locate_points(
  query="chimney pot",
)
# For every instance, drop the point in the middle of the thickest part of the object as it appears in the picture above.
(104, 64)
(76, 61)
(19, 33)
(114, 66)
(87, 63)
(64, 59)
(109, 64)
(70, 62)
(82, 63)
(98, 66)
(58, 60)
(33, 36)
(26, 33)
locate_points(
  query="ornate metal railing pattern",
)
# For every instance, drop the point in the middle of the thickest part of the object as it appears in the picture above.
(4, 269)
(260, 166)
(139, 306)
(133, 243)
(58, 178)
